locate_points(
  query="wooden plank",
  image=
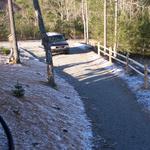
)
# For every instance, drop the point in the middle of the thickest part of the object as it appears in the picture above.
(137, 63)
(142, 74)
(123, 62)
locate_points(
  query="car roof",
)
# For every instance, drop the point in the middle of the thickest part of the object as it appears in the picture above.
(53, 33)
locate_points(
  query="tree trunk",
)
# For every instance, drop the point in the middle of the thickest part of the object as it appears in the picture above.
(116, 26)
(83, 18)
(87, 24)
(15, 56)
(45, 42)
(66, 10)
(105, 25)
(74, 33)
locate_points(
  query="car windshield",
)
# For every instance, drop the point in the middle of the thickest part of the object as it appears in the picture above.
(56, 38)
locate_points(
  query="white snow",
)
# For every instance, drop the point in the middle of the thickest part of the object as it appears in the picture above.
(135, 82)
(44, 118)
(54, 119)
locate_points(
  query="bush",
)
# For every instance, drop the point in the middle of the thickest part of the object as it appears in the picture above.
(18, 90)
(4, 50)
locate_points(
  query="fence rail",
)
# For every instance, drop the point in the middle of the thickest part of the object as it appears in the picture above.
(126, 60)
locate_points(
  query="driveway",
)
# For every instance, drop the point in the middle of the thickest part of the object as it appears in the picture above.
(118, 121)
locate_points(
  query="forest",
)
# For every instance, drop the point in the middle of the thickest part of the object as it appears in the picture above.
(132, 31)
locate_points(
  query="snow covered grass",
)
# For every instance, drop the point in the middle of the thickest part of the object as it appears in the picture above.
(44, 118)
(53, 119)
(135, 83)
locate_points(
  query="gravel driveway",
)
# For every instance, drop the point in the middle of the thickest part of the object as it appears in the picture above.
(117, 119)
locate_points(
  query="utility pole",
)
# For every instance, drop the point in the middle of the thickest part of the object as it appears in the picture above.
(105, 25)
(45, 41)
(16, 58)
(116, 26)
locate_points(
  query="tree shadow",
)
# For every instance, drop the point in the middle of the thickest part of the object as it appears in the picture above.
(90, 85)
(80, 48)
(89, 76)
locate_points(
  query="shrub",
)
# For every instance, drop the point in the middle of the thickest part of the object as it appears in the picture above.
(5, 50)
(18, 90)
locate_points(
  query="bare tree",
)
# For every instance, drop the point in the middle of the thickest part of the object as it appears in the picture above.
(105, 25)
(116, 26)
(45, 41)
(15, 58)
(66, 9)
(85, 20)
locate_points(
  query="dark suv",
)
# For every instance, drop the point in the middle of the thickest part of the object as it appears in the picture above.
(58, 43)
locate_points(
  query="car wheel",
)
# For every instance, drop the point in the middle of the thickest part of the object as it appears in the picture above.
(66, 51)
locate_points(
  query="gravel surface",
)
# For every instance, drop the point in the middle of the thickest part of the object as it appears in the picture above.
(118, 121)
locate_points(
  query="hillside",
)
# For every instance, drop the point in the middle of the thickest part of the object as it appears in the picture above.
(44, 118)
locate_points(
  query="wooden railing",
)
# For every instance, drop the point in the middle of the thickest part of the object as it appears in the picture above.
(126, 60)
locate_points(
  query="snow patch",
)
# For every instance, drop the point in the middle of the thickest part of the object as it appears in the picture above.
(134, 81)
(45, 118)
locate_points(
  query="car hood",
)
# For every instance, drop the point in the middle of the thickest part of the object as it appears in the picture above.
(62, 43)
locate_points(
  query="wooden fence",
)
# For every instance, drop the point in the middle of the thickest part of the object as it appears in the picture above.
(126, 60)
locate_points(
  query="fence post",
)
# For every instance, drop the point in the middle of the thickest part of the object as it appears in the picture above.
(127, 63)
(115, 53)
(110, 55)
(98, 46)
(145, 76)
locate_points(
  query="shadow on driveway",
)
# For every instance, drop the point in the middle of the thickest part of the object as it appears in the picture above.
(118, 122)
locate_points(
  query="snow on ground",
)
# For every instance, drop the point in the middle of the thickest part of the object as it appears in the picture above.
(44, 118)
(136, 85)
(47, 118)
(135, 82)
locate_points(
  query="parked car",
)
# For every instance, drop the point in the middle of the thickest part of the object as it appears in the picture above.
(58, 43)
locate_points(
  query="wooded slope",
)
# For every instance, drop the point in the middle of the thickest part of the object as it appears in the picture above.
(65, 16)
